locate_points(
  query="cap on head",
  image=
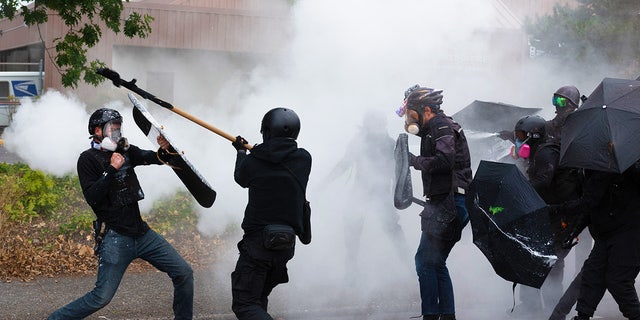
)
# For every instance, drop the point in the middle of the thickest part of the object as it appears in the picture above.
(570, 93)
(422, 97)
(101, 116)
(280, 122)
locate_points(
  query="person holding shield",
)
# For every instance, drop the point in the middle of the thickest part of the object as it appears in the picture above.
(111, 188)
(445, 164)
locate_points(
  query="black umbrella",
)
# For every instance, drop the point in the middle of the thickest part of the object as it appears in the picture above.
(483, 120)
(484, 116)
(510, 224)
(603, 133)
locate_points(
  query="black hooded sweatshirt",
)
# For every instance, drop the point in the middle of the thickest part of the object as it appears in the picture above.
(275, 197)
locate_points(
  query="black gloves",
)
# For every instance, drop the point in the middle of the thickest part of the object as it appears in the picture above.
(168, 157)
(578, 224)
(569, 242)
(412, 159)
(239, 144)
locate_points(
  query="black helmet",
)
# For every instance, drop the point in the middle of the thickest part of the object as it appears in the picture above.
(410, 90)
(532, 126)
(101, 116)
(569, 92)
(280, 122)
(424, 97)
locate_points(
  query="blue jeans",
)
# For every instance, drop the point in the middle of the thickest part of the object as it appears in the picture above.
(436, 289)
(116, 253)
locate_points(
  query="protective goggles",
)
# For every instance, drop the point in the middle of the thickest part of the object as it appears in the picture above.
(403, 109)
(112, 130)
(559, 101)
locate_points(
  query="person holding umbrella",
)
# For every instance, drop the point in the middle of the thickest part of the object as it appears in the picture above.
(555, 185)
(612, 203)
(566, 100)
(445, 164)
(600, 137)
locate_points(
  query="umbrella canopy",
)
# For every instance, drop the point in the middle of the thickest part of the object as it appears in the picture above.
(484, 116)
(604, 133)
(510, 224)
(482, 120)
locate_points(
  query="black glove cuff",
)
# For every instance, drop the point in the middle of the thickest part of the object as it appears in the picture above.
(166, 156)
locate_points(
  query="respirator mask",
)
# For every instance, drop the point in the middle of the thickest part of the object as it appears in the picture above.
(112, 138)
(521, 149)
(412, 128)
(410, 124)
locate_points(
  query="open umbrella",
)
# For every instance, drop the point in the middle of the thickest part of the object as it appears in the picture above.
(482, 121)
(492, 117)
(603, 133)
(510, 224)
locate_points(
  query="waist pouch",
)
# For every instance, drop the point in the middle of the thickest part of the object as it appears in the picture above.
(279, 237)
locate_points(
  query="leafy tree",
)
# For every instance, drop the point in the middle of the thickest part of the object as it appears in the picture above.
(593, 31)
(82, 17)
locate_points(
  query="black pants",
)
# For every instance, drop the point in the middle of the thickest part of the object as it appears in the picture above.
(613, 265)
(257, 272)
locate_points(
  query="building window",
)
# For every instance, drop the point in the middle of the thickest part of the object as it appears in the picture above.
(4, 89)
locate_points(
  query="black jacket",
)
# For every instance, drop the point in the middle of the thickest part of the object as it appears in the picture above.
(114, 194)
(274, 195)
(554, 184)
(610, 201)
(444, 158)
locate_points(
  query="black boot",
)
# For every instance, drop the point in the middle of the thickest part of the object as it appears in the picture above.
(580, 317)
(431, 317)
(448, 317)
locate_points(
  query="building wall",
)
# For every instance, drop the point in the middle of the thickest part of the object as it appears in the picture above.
(228, 26)
(211, 25)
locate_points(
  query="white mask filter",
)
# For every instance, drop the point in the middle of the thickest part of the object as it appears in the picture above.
(108, 144)
(412, 128)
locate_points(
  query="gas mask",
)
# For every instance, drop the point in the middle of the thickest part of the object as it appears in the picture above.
(412, 128)
(112, 138)
(521, 149)
(410, 124)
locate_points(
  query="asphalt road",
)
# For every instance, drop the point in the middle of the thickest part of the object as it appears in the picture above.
(148, 295)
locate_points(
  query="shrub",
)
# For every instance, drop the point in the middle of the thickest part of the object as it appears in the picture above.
(174, 214)
(25, 193)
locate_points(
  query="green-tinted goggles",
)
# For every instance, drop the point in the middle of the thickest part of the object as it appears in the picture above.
(559, 101)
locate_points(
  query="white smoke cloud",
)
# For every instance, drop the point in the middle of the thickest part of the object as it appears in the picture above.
(48, 132)
(346, 58)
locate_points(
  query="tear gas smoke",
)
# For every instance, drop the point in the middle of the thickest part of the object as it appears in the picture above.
(345, 58)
